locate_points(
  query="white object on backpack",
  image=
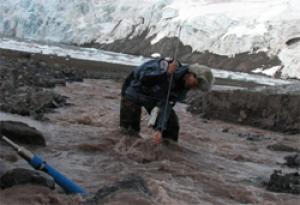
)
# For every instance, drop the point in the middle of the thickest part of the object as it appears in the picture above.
(153, 116)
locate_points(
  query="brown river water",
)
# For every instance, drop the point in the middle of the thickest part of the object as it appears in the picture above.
(209, 166)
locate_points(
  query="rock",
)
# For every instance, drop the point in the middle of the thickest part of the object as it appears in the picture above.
(4, 167)
(42, 64)
(225, 129)
(276, 108)
(131, 183)
(22, 83)
(255, 137)
(287, 183)
(293, 161)
(20, 132)
(25, 176)
(28, 100)
(282, 148)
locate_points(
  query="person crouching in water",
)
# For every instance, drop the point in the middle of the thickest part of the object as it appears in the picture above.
(147, 86)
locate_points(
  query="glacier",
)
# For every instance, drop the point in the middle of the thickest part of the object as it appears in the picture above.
(223, 27)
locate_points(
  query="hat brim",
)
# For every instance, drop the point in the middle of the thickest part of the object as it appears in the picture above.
(203, 85)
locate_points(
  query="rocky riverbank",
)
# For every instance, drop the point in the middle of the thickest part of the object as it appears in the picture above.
(275, 108)
(214, 162)
(25, 84)
(26, 80)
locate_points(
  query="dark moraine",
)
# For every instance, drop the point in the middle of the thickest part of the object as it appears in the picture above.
(274, 108)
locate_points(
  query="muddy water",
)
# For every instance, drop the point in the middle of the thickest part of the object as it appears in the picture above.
(214, 162)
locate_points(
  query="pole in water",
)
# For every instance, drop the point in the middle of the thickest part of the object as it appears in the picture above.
(171, 80)
(38, 163)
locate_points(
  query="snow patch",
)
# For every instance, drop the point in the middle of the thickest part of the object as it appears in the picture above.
(73, 52)
(290, 57)
(270, 71)
(242, 30)
(155, 55)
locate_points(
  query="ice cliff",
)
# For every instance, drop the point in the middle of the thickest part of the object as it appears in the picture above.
(224, 27)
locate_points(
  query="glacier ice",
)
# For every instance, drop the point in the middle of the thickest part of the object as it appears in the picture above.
(225, 27)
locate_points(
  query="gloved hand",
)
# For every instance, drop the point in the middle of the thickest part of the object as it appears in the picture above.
(157, 138)
(172, 67)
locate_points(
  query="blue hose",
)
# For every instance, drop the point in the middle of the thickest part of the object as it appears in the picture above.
(68, 185)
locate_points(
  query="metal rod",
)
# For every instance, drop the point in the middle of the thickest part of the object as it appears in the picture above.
(167, 102)
(171, 79)
(178, 42)
(11, 143)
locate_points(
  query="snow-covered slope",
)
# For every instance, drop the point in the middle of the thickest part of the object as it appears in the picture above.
(225, 27)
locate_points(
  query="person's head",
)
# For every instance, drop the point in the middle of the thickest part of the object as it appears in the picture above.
(191, 81)
(204, 76)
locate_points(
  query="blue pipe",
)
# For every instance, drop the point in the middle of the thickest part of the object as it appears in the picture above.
(38, 163)
(68, 185)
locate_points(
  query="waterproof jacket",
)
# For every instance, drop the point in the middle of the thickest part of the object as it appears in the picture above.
(148, 85)
(151, 79)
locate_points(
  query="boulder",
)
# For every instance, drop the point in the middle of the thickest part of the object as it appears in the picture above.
(4, 167)
(132, 185)
(275, 108)
(282, 148)
(22, 133)
(25, 176)
(293, 161)
(284, 183)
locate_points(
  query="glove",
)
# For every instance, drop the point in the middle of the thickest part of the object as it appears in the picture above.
(157, 138)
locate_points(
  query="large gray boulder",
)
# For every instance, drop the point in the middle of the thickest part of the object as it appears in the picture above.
(25, 176)
(132, 189)
(22, 133)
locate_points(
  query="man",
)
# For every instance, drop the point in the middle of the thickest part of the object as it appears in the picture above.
(147, 86)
